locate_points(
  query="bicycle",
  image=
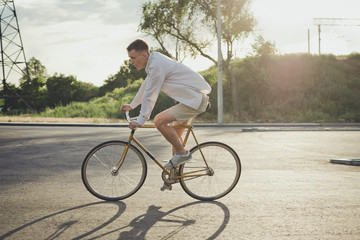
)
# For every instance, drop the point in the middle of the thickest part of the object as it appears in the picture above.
(115, 170)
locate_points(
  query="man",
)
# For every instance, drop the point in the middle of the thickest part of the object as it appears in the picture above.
(178, 82)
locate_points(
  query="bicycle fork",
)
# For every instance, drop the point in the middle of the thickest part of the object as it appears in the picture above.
(115, 170)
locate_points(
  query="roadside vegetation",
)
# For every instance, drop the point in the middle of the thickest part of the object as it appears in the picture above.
(276, 88)
(261, 87)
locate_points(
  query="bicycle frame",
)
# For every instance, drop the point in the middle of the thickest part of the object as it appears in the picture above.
(138, 143)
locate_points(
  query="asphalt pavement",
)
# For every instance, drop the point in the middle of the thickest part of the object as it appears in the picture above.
(288, 188)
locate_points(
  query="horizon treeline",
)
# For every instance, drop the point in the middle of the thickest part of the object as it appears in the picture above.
(270, 88)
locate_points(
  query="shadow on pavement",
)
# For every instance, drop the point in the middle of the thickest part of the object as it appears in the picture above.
(173, 224)
(78, 223)
(66, 223)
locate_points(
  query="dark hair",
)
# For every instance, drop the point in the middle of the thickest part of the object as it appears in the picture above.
(138, 45)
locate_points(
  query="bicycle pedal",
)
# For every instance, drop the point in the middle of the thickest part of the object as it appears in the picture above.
(166, 187)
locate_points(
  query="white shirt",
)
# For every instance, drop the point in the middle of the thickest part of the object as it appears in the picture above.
(174, 79)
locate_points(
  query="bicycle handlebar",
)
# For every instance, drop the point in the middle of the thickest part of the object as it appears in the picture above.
(128, 118)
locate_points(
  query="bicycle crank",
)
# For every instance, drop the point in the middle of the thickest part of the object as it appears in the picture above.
(166, 186)
(170, 179)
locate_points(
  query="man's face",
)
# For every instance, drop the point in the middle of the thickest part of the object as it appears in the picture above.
(138, 59)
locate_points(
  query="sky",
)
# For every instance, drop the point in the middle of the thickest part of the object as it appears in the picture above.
(88, 38)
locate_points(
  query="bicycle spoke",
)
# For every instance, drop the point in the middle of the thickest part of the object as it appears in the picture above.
(103, 181)
(224, 171)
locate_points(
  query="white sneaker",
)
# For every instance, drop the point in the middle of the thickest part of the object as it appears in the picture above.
(177, 160)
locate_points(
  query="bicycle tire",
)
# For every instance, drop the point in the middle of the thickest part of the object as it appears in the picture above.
(97, 171)
(226, 170)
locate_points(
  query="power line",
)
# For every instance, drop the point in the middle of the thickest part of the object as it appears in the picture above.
(337, 21)
(334, 22)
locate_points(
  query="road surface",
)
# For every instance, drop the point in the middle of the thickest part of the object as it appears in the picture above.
(287, 190)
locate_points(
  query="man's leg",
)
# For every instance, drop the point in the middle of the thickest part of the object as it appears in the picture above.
(179, 132)
(171, 134)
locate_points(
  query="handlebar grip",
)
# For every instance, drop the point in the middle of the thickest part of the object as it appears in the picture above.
(128, 118)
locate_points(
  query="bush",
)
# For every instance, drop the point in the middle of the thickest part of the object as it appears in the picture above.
(287, 88)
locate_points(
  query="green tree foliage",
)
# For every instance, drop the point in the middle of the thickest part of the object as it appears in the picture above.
(166, 20)
(192, 25)
(35, 70)
(11, 102)
(107, 106)
(34, 92)
(124, 77)
(38, 90)
(31, 93)
(298, 88)
(84, 91)
(62, 90)
(271, 88)
(286, 88)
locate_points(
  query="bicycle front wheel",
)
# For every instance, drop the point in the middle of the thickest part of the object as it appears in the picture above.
(215, 179)
(101, 177)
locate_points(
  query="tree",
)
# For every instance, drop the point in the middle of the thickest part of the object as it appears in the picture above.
(60, 89)
(263, 49)
(33, 92)
(11, 102)
(35, 69)
(166, 21)
(253, 77)
(84, 92)
(193, 26)
(125, 76)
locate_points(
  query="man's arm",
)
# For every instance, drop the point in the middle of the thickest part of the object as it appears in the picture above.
(155, 80)
(139, 95)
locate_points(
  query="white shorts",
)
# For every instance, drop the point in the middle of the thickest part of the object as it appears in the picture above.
(184, 113)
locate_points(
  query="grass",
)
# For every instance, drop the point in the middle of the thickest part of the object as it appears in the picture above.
(288, 88)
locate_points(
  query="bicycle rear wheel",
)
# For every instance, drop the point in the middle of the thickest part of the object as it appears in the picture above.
(223, 171)
(103, 181)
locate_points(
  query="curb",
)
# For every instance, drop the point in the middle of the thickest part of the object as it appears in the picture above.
(246, 127)
(345, 161)
(45, 124)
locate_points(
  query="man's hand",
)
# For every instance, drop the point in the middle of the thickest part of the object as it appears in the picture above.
(133, 125)
(125, 107)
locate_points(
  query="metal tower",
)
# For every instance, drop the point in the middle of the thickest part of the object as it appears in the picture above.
(13, 60)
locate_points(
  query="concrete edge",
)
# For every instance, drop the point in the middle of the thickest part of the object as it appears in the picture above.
(345, 161)
(46, 124)
(246, 127)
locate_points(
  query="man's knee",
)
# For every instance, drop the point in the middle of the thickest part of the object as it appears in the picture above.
(157, 120)
(163, 118)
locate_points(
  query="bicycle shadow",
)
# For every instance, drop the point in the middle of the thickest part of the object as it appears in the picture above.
(68, 223)
(175, 222)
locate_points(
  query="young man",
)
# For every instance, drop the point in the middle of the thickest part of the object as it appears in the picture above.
(178, 82)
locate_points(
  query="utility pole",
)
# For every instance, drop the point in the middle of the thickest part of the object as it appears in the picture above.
(308, 41)
(219, 65)
(319, 31)
(334, 22)
(13, 58)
